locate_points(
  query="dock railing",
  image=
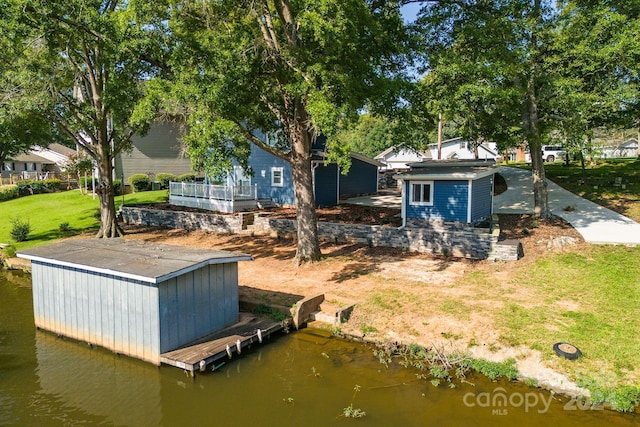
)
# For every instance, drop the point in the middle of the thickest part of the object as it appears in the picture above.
(215, 192)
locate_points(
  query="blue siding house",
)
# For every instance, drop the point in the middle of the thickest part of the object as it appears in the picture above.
(273, 180)
(448, 190)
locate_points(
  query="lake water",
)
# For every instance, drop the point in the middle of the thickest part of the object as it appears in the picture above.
(303, 378)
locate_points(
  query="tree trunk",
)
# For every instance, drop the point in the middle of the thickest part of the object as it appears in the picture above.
(308, 246)
(108, 220)
(540, 196)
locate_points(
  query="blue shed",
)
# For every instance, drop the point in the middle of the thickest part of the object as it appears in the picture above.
(448, 190)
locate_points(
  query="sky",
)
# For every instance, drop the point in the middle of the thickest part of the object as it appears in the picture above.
(410, 11)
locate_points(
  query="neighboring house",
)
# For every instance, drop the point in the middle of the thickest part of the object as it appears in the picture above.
(628, 148)
(395, 159)
(159, 151)
(458, 148)
(26, 166)
(448, 190)
(57, 154)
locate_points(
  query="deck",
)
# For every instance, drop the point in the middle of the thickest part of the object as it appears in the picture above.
(221, 344)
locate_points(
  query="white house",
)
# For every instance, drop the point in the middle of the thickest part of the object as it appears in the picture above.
(628, 148)
(395, 159)
(458, 148)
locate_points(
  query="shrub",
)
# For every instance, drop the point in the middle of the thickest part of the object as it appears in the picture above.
(117, 187)
(52, 184)
(8, 192)
(64, 228)
(187, 177)
(164, 179)
(24, 188)
(140, 182)
(20, 230)
(10, 251)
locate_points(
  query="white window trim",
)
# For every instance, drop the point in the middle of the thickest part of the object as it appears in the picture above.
(430, 202)
(277, 169)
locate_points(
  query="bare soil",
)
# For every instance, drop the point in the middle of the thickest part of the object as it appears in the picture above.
(398, 295)
(349, 273)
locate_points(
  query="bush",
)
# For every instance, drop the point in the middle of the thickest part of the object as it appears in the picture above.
(20, 230)
(117, 187)
(8, 192)
(64, 228)
(24, 188)
(10, 251)
(187, 177)
(140, 182)
(52, 184)
(164, 179)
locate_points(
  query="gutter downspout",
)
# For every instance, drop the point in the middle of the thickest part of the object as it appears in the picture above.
(314, 165)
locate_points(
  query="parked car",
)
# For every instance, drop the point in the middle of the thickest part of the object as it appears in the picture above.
(551, 153)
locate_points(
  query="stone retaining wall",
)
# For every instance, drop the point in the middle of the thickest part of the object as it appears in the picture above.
(440, 238)
(182, 219)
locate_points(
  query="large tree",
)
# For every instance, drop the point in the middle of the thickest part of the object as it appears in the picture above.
(292, 67)
(497, 45)
(88, 53)
(25, 115)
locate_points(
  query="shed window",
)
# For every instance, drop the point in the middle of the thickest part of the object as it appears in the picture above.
(421, 193)
(277, 179)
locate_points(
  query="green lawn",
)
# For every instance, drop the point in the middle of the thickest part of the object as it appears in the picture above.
(590, 299)
(45, 213)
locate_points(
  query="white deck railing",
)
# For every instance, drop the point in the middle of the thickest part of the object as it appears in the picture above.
(215, 192)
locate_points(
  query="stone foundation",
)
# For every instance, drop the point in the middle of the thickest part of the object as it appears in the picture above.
(439, 238)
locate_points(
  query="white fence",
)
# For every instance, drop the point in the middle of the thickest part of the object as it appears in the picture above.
(216, 192)
(219, 198)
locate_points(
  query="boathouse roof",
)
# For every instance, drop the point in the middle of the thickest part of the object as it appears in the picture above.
(132, 259)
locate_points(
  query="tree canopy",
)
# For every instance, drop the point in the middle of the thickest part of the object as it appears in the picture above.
(87, 57)
(25, 115)
(246, 68)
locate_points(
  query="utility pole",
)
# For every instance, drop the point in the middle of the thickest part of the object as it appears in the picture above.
(439, 136)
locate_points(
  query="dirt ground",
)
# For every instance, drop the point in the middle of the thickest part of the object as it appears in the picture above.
(398, 295)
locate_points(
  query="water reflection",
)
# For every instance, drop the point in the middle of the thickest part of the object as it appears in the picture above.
(305, 378)
(121, 390)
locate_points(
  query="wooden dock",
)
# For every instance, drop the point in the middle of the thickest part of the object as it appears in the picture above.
(222, 344)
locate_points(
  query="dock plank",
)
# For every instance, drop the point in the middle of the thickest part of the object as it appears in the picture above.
(199, 354)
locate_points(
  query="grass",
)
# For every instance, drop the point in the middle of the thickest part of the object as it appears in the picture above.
(590, 299)
(46, 212)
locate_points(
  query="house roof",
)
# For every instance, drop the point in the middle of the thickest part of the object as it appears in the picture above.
(61, 149)
(320, 156)
(399, 150)
(449, 169)
(30, 158)
(132, 259)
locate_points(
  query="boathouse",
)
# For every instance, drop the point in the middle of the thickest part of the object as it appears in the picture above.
(135, 298)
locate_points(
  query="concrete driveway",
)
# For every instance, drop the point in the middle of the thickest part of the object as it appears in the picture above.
(385, 199)
(595, 223)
